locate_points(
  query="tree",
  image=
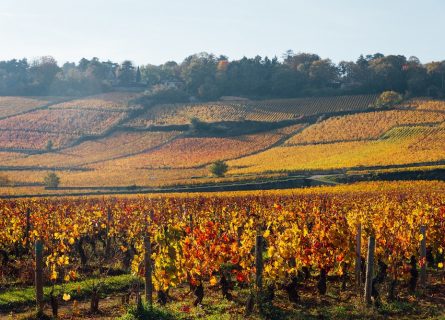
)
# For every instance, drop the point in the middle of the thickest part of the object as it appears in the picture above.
(197, 125)
(52, 180)
(43, 72)
(198, 72)
(323, 73)
(388, 99)
(138, 75)
(49, 145)
(126, 73)
(219, 168)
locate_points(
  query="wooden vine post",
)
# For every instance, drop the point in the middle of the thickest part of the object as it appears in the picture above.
(147, 264)
(27, 228)
(423, 256)
(259, 271)
(39, 275)
(358, 257)
(259, 263)
(108, 240)
(369, 269)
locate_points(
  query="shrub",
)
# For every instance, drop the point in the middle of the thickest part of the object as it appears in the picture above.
(197, 125)
(219, 168)
(388, 99)
(52, 180)
(49, 145)
(161, 94)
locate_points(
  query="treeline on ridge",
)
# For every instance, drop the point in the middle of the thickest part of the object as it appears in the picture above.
(207, 77)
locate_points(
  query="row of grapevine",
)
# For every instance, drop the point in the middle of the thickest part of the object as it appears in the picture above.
(198, 240)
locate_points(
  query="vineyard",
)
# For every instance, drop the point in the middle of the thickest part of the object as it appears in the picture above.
(61, 123)
(363, 126)
(266, 111)
(427, 104)
(271, 242)
(114, 101)
(192, 152)
(10, 106)
(34, 140)
(317, 105)
(98, 150)
(108, 140)
(181, 114)
(397, 147)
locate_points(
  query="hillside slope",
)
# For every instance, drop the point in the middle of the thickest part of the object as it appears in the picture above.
(107, 141)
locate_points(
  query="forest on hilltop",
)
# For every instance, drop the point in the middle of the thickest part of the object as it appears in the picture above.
(207, 77)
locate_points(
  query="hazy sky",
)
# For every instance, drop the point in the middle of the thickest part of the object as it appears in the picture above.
(152, 31)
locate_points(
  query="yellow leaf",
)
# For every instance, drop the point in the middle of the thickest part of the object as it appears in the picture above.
(71, 241)
(420, 237)
(270, 251)
(67, 278)
(54, 275)
(266, 233)
(213, 281)
(66, 297)
(440, 265)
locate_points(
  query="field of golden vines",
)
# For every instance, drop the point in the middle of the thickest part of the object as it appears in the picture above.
(363, 126)
(108, 141)
(10, 106)
(399, 148)
(205, 239)
(266, 111)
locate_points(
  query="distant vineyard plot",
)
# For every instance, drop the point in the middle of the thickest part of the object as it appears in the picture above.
(267, 111)
(317, 105)
(362, 126)
(119, 144)
(399, 148)
(61, 123)
(34, 140)
(191, 152)
(428, 104)
(110, 141)
(114, 101)
(10, 106)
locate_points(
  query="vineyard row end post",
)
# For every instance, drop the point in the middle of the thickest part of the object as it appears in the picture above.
(148, 265)
(358, 257)
(39, 275)
(369, 269)
(423, 256)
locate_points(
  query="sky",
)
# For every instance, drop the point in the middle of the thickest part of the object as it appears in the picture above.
(152, 31)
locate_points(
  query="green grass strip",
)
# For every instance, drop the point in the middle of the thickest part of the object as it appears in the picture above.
(16, 298)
